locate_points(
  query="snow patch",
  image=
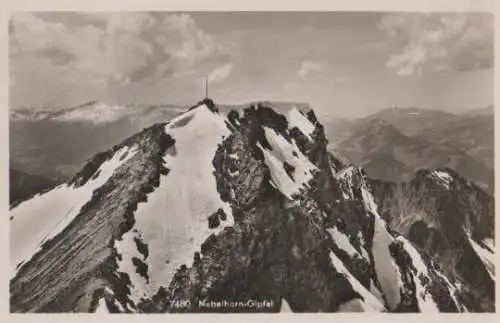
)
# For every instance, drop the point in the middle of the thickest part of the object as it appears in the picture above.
(357, 305)
(376, 292)
(43, 217)
(285, 307)
(279, 177)
(234, 156)
(290, 153)
(297, 119)
(486, 257)
(109, 291)
(345, 179)
(127, 249)
(490, 243)
(425, 301)
(443, 178)
(342, 241)
(283, 151)
(119, 305)
(387, 272)
(368, 199)
(452, 289)
(102, 308)
(368, 297)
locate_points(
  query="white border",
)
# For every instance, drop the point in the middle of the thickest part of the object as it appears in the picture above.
(220, 5)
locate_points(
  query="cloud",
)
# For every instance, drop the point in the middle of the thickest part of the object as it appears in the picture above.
(314, 78)
(114, 49)
(220, 73)
(431, 42)
(308, 68)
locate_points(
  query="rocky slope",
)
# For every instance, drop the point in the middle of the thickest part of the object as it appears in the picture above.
(247, 212)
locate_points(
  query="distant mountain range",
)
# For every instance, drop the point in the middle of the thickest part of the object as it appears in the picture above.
(393, 143)
(473, 134)
(484, 111)
(55, 144)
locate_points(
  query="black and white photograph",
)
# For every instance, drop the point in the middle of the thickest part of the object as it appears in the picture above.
(251, 162)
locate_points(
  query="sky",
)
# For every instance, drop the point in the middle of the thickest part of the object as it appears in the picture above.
(345, 64)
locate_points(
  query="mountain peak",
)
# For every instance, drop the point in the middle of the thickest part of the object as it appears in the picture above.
(376, 128)
(207, 102)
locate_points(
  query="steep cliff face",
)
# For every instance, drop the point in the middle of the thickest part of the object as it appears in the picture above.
(208, 213)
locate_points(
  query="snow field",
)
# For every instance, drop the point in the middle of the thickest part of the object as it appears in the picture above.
(43, 217)
(174, 221)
